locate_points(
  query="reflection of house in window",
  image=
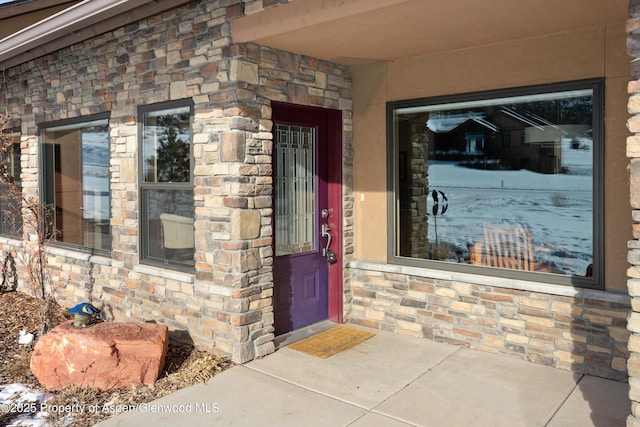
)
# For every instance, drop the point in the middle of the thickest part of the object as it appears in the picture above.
(482, 139)
(459, 133)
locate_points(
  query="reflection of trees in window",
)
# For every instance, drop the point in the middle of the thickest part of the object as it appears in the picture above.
(171, 159)
(575, 111)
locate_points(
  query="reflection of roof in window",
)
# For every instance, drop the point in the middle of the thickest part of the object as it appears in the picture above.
(439, 123)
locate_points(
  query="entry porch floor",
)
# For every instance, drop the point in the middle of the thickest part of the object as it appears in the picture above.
(391, 380)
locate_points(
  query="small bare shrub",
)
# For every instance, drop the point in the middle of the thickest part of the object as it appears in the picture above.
(559, 200)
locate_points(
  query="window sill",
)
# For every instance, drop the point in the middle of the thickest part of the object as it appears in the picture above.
(164, 273)
(79, 255)
(498, 282)
(12, 241)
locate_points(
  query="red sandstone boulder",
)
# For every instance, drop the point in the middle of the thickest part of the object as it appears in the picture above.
(104, 356)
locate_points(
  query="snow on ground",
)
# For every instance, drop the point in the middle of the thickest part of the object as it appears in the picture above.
(557, 207)
(19, 398)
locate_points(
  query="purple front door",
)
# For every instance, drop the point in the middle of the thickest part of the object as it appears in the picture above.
(300, 210)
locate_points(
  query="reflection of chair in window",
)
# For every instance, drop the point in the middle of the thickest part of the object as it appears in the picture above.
(504, 247)
(177, 231)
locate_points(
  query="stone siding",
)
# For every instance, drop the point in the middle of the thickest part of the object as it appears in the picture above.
(585, 332)
(225, 305)
(633, 152)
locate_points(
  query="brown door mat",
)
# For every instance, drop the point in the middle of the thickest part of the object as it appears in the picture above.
(332, 341)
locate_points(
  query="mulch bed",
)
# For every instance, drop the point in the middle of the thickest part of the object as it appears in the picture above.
(184, 365)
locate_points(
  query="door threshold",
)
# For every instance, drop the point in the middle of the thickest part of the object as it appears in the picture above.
(302, 333)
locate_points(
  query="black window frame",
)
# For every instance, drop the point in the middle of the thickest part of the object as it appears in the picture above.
(13, 227)
(42, 128)
(145, 187)
(596, 281)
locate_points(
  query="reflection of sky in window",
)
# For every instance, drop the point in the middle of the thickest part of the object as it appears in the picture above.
(95, 173)
(95, 146)
(483, 103)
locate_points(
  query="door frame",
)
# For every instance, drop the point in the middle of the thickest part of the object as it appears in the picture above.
(334, 192)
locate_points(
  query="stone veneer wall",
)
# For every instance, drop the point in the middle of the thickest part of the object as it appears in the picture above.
(578, 330)
(633, 152)
(182, 53)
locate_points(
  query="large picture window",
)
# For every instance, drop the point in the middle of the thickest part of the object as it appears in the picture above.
(166, 185)
(75, 181)
(508, 181)
(11, 188)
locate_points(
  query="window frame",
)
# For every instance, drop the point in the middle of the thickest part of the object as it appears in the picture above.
(144, 186)
(596, 281)
(17, 180)
(42, 127)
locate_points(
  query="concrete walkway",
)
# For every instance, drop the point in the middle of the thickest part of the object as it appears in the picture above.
(387, 381)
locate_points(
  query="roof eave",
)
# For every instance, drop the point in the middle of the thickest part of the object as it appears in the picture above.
(77, 23)
(24, 7)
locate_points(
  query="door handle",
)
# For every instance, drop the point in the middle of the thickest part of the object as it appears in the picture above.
(326, 233)
(326, 251)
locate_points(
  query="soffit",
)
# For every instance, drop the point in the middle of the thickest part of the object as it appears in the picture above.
(357, 31)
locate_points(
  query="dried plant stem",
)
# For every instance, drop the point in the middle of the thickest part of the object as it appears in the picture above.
(26, 217)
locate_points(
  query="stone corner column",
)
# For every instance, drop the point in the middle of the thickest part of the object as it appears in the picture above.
(633, 153)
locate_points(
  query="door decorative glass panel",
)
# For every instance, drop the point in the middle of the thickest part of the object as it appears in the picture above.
(295, 186)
